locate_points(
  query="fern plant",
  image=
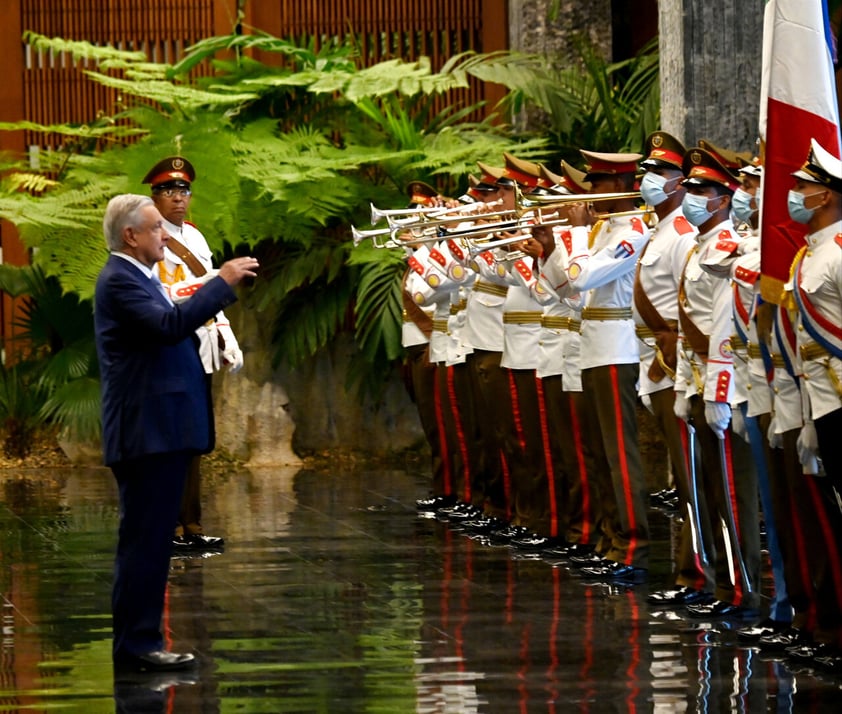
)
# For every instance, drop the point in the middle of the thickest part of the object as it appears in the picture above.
(288, 154)
(56, 377)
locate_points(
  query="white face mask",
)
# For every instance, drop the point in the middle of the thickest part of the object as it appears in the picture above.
(741, 204)
(695, 209)
(652, 189)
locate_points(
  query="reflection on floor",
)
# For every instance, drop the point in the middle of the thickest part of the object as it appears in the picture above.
(333, 596)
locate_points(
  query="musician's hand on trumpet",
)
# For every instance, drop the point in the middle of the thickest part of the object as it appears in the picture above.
(579, 214)
(541, 243)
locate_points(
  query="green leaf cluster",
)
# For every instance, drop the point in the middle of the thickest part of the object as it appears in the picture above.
(289, 151)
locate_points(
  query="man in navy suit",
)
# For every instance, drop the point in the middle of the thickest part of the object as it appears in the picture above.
(155, 414)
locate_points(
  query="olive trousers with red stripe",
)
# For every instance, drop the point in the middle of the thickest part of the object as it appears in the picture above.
(571, 461)
(524, 452)
(690, 569)
(611, 412)
(744, 500)
(462, 445)
(423, 391)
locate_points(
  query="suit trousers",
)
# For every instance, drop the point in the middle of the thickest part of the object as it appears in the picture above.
(150, 493)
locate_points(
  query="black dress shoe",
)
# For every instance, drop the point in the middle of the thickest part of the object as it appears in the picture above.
(678, 597)
(459, 511)
(719, 608)
(809, 651)
(485, 524)
(615, 571)
(200, 541)
(569, 550)
(779, 641)
(434, 503)
(534, 543)
(589, 560)
(180, 545)
(761, 629)
(505, 535)
(156, 661)
(829, 662)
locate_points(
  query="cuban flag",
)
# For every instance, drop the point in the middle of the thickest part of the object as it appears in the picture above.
(798, 103)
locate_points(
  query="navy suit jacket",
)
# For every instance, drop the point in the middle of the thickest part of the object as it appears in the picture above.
(154, 391)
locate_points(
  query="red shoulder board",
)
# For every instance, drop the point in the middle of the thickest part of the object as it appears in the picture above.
(838, 239)
(637, 225)
(746, 275)
(455, 250)
(523, 269)
(682, 225)
(567, 241)
(191, 224)
(187, 290)
(438, 257)
(725, 244)
(415, 265)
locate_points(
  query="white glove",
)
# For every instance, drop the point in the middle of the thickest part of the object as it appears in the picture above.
(717, 415)
(808, 444)
(776, 441)
(681, 408)
(184, 289)
(647, 402)
(738, 424)
(231, 353)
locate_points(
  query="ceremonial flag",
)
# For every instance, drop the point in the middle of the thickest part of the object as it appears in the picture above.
(798, 103)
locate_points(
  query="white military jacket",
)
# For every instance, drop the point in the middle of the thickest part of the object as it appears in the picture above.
(175, 273)
(817, 288)
(659, 272)
(706, 300)
(604, 275)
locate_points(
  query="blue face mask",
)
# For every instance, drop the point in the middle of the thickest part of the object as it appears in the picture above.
(695, 209)
(798, 212)
(652, 189)
(741, 203)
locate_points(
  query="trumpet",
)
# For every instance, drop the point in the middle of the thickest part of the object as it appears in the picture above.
(436, 222)
(413, 214)
(479, 246)
(524, 204)
(360, 235)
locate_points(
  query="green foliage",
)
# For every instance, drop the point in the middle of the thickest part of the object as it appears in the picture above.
(56, 379)
(599, 105)
(21, 401)
(288, 154)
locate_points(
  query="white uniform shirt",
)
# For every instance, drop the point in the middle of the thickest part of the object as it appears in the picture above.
(604, 276)
(660, 269)
(820, 279)
(707, 302)
(191, 237)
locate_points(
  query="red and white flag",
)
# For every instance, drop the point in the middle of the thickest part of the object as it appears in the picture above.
(798, 103)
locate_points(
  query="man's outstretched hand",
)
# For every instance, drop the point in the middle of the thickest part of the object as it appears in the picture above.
(233, 271)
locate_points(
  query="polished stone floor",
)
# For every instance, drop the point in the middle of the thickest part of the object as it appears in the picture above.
(334, 596)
